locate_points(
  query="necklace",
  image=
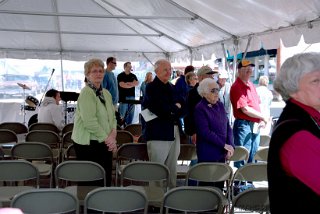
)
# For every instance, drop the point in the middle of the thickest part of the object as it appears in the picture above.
(315, 122)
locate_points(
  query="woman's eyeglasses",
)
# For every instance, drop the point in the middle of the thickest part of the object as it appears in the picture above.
(215, 90)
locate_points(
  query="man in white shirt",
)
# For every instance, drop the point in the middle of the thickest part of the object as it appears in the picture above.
(50, 111)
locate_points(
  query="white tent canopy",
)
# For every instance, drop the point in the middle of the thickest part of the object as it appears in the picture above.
(152, 29)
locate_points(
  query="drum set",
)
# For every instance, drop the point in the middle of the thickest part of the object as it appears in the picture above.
(31, 101)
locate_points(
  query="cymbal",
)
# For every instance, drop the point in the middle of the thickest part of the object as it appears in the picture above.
(24, 86)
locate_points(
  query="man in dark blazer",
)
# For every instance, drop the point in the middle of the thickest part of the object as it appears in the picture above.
(162, 133)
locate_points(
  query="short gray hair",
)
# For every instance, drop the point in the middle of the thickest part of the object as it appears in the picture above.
(159, 62)
(292, 70)
(203, 87)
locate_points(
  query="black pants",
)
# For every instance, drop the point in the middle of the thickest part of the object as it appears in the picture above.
(96, 152)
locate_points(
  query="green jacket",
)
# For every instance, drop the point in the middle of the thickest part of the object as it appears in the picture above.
(93, 119)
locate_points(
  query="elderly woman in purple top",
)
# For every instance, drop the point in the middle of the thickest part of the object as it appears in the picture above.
(214, 134)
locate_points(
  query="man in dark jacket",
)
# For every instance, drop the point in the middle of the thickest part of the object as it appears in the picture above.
(162, 133)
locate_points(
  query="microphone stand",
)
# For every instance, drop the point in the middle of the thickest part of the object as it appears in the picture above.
(46, 86)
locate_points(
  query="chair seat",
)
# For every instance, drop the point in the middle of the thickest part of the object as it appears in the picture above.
(8, 192)
(154, 194)
(80, 191)
(44, 169)
(182, 170)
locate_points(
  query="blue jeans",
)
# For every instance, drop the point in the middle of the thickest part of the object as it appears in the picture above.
(126, 110)
(243, 136)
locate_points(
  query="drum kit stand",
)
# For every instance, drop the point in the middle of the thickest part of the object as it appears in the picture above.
(67, 96)
(30, 100)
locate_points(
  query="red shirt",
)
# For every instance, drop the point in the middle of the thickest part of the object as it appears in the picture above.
(300, 155)
(243, 95)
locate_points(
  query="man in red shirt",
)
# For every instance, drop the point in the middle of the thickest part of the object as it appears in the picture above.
(245, 103)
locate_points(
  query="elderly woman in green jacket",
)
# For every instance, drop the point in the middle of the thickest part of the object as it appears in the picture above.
(94, 132)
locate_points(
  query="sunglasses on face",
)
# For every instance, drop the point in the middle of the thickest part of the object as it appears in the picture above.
(215, 90)
(115, 63)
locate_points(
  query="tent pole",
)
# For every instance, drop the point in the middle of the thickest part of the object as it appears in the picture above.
(248, 44)
(191, 58)
(61, 67)
(143, 54)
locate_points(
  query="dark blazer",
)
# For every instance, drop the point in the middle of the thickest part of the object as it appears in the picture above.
(160, 99)
(193, 99)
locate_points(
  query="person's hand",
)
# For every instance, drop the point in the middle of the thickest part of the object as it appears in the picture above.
(262, 124)
(113, 133)
(178, 105)
(194, 139)
(112, 144)
(265, 120)
(230, 151)
(229, 155)
(111, 141)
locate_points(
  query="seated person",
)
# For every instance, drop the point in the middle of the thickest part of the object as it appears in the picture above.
(50, 111)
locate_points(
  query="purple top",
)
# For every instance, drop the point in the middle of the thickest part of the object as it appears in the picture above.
(213, 131)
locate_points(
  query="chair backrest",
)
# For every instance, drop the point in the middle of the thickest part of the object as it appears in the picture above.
(132, 151)
(209, 172)
(66, 139)
(18, 170)
(44, 126)
(141, 139)
(2, 154)
(134, 129)
(8, 136)
(124, 137)
(115, 200)
(145, 171)
(254, 200)
(193, 199)
(79, 171)
(70, 153)
(32, 151)
(250, 172)
(16, 127)
(240, 154)
(265, 140)
(45, 136)
(67, 128)
(187, 152)
(262, 154)
(39, 201)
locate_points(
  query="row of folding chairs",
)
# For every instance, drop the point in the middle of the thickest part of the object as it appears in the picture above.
(20, 128)
(146, 172)
(126, 199)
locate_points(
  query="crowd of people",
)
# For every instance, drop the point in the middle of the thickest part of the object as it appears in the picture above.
(201, 104)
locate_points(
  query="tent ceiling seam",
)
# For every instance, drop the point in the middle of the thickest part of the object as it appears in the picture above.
(75, 15)
(2, 2)
(83, 33)
(78, 51)
(200, 18)
(126, 23)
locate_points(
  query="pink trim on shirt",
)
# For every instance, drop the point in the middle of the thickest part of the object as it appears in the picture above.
(300, 158)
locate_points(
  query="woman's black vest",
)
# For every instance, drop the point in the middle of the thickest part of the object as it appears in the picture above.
(287, 194)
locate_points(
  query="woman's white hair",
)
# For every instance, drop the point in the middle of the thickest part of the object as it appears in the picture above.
(292, 70)
(204, 87)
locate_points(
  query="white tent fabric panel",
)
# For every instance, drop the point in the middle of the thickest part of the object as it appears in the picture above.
(149, 29)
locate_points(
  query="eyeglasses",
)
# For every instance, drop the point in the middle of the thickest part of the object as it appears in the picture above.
(115, 63)
(215, 90)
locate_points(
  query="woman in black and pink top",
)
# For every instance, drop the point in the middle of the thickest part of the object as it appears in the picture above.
(294, 154)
